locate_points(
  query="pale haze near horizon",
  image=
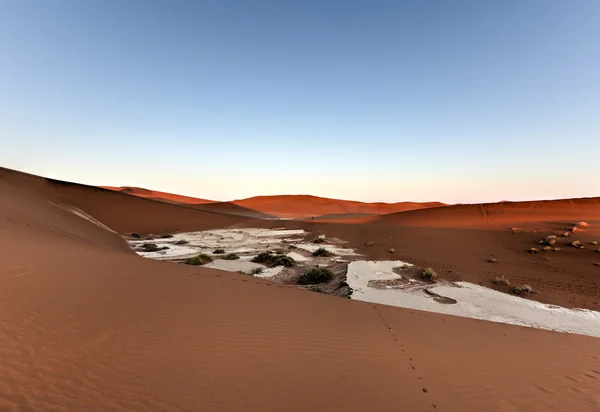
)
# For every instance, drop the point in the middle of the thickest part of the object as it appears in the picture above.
(459, 101)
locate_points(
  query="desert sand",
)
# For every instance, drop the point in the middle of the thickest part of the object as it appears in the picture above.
(86, 324)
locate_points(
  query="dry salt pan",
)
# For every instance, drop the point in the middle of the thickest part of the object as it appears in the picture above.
(473, 301)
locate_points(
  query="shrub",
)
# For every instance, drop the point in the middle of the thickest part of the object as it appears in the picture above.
(321, 252)
(150, 247)
(230, 256)
(282, 260)
(314, 276)
(256, 271)
(182, 242)
(166, 236)
(264, 257)
(501, 280)
(201, 259)
(429, 274)
(320, 240)
(523, 289)
(135, 235)
(219, 251)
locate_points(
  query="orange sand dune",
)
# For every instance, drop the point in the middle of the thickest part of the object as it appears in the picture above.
(302, 206)
(284, 206)
(156, 195)
(88, 325)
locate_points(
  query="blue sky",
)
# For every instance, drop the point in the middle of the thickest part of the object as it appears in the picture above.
(457, 101)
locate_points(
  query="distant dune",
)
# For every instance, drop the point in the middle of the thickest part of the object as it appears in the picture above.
(286, 206)
(88, 325)
(156, 195)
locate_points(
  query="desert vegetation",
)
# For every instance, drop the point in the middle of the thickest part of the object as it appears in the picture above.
(523, 289)
(182, 242)
(501, 280)
(201, 259)
(429, 274)
(315, 276)
(218, 251)
(273, 260)
(321, 252)
(230, 256)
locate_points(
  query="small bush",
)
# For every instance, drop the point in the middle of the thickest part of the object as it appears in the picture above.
(150, 247)
(201, 259)
(219, 251)
(135, 235)
(523, 289)
(230, 256)
(282, 260)
(182, 242)
(315, 276)
(501, 280)
(264, 257)
(320, 240)
(429, 274)
(256, 271)
(321, 252)
(166, 236)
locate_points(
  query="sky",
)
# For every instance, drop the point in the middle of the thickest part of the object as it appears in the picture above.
(454, 101)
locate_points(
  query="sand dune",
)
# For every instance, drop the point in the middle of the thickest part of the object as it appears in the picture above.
(285, 206)
(157, 195)
(88, 325)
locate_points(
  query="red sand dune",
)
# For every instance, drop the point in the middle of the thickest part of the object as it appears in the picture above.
(88, 325)
(286, 206)
(302, 206)
(156, 195)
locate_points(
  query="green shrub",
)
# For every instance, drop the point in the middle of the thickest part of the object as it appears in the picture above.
(256, 271)
(230, 256)
(150, 247)
(429, 274)
(314, 276)
(321, 252)
(201, 259)
(182, 242)
(166, 236)
(219, 251)
(283, 260)
(264, 257)
(274, 260)
(320, 240)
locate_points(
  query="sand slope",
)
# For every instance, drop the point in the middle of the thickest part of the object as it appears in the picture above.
(87, 325)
